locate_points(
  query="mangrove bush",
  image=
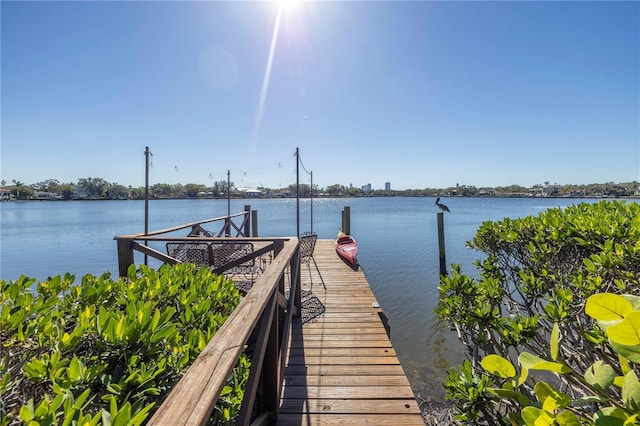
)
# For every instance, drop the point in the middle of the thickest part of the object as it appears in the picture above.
(107, 351)
(546, 298)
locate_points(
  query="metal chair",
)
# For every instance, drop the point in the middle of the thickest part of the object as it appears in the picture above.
(197, 253)
(244, 274)
(307, 243)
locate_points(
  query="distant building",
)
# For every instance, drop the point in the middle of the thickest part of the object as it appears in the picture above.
(387, 186)
(252, 193)
(366, 188)
(41, 195)
(5, 194)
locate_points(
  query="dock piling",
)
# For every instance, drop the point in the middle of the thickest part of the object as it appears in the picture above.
(254, 223)
(346, 220)
(441, 250)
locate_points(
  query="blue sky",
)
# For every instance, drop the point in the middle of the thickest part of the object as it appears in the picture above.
(420, 94)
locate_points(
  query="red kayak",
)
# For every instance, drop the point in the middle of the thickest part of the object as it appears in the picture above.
(347, 248)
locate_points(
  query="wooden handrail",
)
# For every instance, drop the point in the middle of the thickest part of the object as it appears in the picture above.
(193, 399)
(190, 224)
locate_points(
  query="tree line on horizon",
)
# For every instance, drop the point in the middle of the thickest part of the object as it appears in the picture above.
(98, 188)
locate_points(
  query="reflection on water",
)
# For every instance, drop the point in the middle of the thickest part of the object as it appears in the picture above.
(397, 239)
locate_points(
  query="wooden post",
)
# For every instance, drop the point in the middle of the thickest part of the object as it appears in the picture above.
(271, 374)
(254, 223)
(346, 220)
(125, 256)
(247, 222)
(441, 251)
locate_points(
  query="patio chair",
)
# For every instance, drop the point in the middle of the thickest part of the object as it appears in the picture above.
(197, 253)
(244, 274)
(307, 242)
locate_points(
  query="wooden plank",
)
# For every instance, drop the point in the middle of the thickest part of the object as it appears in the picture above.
(363, 406)
(344, 370)
(341, 352)
(345, 331)
(354, 360)
(348, 392)
(342, 380)
(328, 325)
(341, 337)
(328, 344)
(314, 419)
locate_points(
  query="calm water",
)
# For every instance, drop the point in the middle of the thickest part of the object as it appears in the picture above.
(397, 238)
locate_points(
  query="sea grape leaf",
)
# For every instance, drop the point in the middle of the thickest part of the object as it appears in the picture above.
(630, 352)
(498, 366)
(600, 374)
(551, 398)
(607, 307)
(610, 416)
(631, 391)
(567, 418)
(635, 301)
(626, 332)
(532, 362)
(534, 416)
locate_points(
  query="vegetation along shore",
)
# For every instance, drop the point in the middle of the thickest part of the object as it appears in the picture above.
(100, 189)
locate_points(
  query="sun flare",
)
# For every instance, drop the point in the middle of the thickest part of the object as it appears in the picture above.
(289, 7)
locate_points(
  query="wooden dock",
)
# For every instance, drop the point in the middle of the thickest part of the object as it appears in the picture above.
(342, 368)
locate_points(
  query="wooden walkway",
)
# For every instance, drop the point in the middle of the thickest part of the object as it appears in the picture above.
(341, 367)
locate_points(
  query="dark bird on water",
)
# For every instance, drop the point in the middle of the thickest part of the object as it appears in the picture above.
(442, 206)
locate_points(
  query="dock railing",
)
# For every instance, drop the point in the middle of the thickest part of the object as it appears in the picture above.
(265, 315)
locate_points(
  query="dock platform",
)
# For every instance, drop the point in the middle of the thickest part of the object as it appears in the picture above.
(342, 368)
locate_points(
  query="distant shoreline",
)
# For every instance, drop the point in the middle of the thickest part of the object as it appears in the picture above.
(600, 197)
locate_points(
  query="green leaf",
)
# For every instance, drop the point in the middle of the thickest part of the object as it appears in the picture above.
(35, 370)
(632, 353)
(631, 391)
(524, 373)
(635, 301)
(74, 370)
(141, 416)
(632, 420)
(600, 375)
(554, 341)
(607, 307)
(551, 398)
(123, 416)
(567, 418)
(507, 393)
(532, 362)
(27, 412)
(626, 332)
(498, 366)
(610, 416)
(534, 416)
(624, 364)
